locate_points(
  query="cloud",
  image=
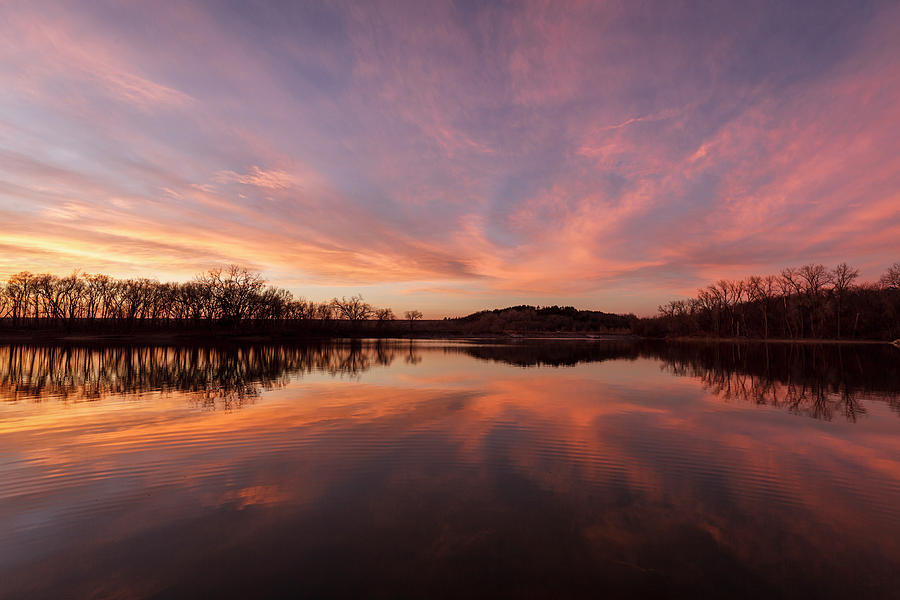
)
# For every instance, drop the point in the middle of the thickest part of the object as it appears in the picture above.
(47, 57)
(275, 180)
(608, 157)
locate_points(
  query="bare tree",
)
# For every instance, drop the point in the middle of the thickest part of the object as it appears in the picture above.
(761, 290)
(353, 308)
(5, 304)
(815, 278)
(736, 291)
(20, 288)
(891, 278)
(384, 314)
(232, 295)
(324, 311)
(842, 277)
(411, 316)
(789, 285)
(797, 304)
(231, 291)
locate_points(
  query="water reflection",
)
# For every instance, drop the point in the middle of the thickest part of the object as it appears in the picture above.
(226, 376)
(446, 470)
(819, 381)
(553, 353)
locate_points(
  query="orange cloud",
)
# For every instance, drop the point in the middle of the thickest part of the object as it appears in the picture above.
(275, 180)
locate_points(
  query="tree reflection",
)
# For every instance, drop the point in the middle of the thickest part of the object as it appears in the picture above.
(226, 377)
(820, 381)
(817, 380)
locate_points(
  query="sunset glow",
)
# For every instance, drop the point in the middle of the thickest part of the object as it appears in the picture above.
(451, 157)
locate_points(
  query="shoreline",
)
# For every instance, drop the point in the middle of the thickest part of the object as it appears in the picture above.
(249, 337)
(733, 340)
(213, 337)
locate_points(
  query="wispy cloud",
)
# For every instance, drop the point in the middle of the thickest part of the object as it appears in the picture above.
(595, 155)
(272, 179)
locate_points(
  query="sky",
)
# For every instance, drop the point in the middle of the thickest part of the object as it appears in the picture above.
(451, 156)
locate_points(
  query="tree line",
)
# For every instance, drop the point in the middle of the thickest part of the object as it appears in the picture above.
(231, 296)
(811, 301)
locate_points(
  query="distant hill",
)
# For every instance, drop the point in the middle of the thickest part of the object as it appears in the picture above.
(525, 318)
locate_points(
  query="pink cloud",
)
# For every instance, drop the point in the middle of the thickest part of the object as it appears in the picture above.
(272, 179)
(597, 156)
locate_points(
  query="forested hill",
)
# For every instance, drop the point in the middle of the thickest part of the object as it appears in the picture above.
(525, 318)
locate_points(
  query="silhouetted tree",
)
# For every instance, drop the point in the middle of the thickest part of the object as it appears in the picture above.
(798, 303)
(842, 278)
(761, 290)
(891, 278)
(411, 316)
(353, 308)
(383, 315)
(232, 296)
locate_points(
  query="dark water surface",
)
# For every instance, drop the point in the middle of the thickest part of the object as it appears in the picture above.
(431, 469)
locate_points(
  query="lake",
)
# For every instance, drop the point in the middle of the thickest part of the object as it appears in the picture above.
(450, 469)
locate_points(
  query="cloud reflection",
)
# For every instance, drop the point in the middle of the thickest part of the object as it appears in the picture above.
(628, 478)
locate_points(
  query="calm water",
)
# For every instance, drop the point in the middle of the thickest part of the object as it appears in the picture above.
(558, 469)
